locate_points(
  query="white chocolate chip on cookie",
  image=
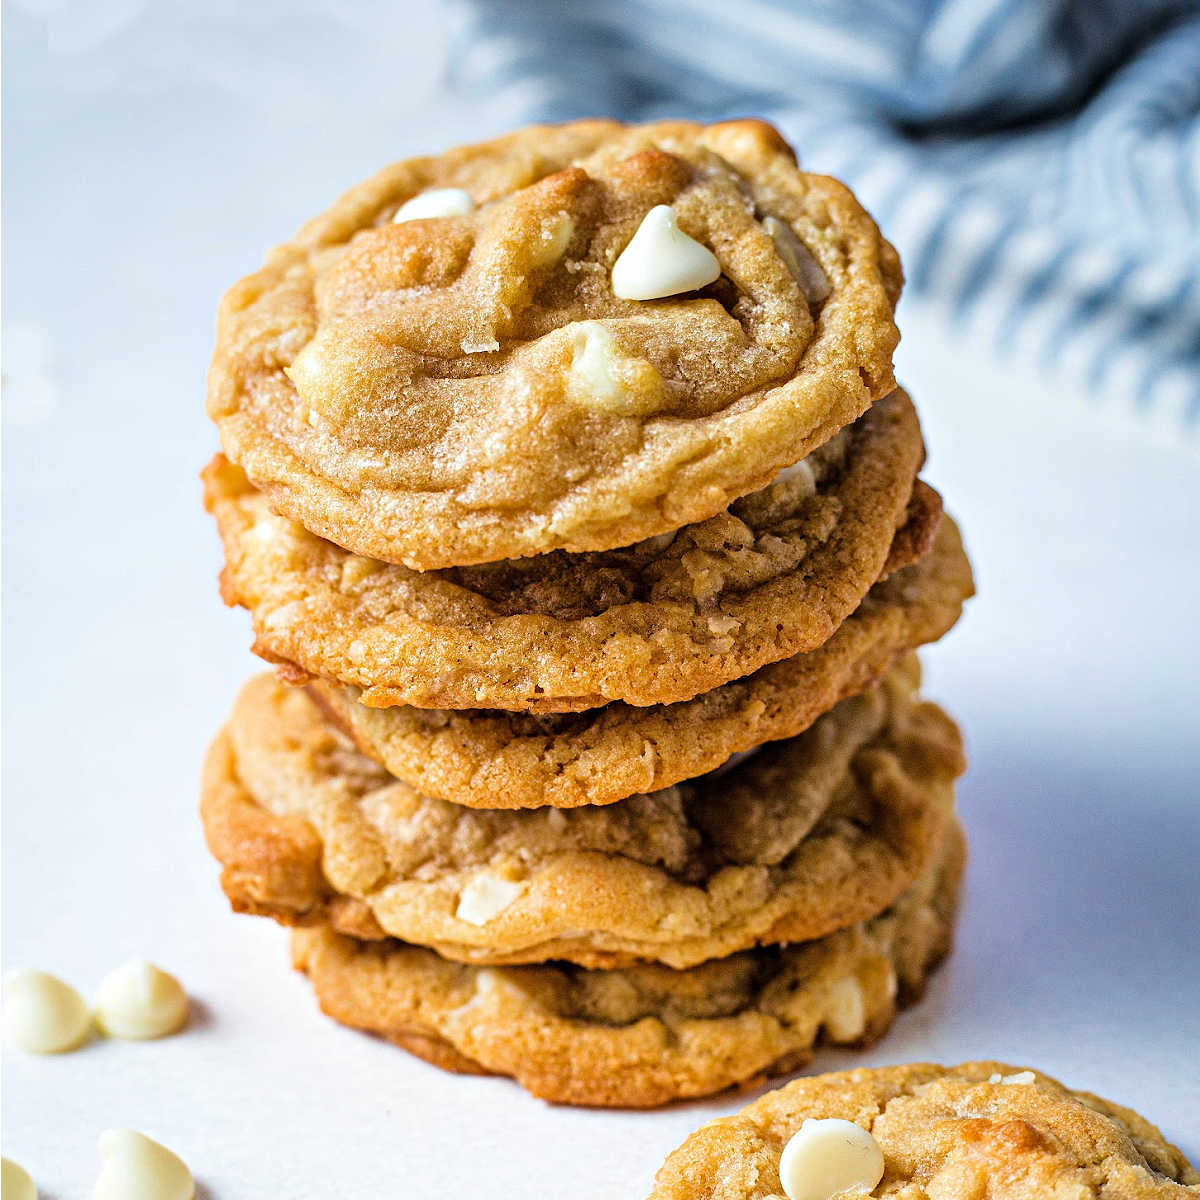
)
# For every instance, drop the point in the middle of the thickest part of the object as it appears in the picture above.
(437, 202)
(15, 1182)
(661, 260)
(846, 1018)
(802, 473)
(486, 897)
(42, 1014)
(830, 1157)
(805, 269)
(602, 376)
(139, 1000)
(136, 1166)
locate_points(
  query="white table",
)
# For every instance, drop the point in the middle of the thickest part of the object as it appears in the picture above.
(148, 165)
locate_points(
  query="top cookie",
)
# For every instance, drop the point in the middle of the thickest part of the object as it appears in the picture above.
(981, 1129)
(459, 389)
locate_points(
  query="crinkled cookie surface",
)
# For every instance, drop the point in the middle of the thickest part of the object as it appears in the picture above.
(807, 836)
(978, 1131)
(656, 622)
(493, 759)
(644, 1035)
(465, 389)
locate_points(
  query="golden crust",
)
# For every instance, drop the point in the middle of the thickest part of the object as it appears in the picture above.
(808, 836)
(495, 759)
(654, 623)
(947, 1133)
(646, 1035)
(414, 391)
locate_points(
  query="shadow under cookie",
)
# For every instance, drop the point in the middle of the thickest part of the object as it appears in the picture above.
(811, 834)
(645, 1035)
(656, 622)
(494, 759)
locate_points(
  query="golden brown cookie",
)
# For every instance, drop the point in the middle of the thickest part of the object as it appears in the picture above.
(492, 759)
(808, 836)
(644, 1035)
(652, 623)
(465, 389)
(978, 1131)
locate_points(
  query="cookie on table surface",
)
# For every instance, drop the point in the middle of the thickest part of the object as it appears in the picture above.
(495, 759)
(807, 836)
(981, 1129)
(656, 622)
(644, 1035)
(468, 388)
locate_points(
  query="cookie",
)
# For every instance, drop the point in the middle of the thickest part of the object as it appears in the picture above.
(657, 622)
(469, 388)
(981, 1129)
(494, 759)
(807, 836)
(644, 1035)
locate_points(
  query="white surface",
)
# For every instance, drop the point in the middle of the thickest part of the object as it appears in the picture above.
(150, 160)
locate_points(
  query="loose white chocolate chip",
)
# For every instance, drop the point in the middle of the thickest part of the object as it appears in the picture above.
(1019, 1077)
(485, 897)
(15, 1181)
(805, 269)
(437, 202)
(136, 1166)
(829, 1157)
(42, 1014)
(661, 260)
(138, 1000)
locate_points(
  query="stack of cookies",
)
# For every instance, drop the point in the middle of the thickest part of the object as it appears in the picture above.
(569, 489)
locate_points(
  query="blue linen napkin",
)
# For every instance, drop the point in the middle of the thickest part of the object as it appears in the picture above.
(1037, 162)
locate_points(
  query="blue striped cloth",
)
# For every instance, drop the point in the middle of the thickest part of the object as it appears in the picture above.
(1037, 162)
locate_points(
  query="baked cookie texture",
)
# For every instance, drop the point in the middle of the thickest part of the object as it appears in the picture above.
(645, 1035)
(467, 389)
(658, 622)
(808, 836)
(978, 1131)
(496, 759)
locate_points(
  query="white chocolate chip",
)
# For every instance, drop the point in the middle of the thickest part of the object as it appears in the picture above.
(15, 1181)
(138, 1000)
(136, 1166)
(556, 233)
(487, 347)
(800, 472)
(437, 202)
(602, 375)
(592, 363)
(659, 542)
(830, 1157)
(661, 260)
(42, 1014)
(798, 259)
(1019, 1077)
(847, 1015)
(720, 624)
(485, 897)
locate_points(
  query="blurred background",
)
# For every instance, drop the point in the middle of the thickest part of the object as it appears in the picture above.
(1037, 165)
